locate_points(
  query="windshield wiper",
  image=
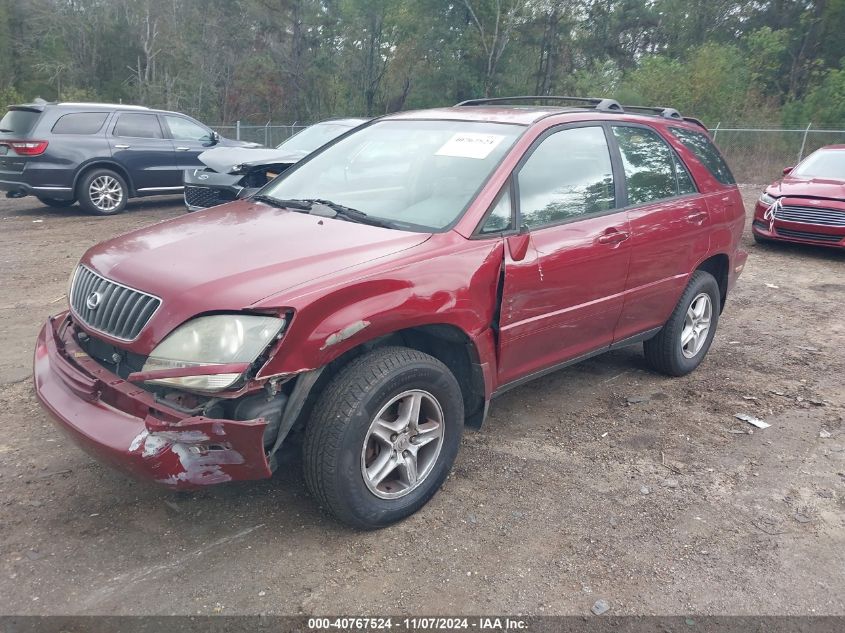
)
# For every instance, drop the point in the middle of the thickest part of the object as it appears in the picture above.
(296, 205)
(325, 209)
(347, 213)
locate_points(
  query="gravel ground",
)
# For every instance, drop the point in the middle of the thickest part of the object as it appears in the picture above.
(602, 481)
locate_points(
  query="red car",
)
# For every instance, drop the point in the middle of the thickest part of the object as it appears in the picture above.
(807, 205)
(379, 295)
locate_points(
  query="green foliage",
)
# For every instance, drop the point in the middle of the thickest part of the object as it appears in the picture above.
(824, 106)
(302, 60)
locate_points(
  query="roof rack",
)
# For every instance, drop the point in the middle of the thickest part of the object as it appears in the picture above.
(666, 113)
(602, 105)
(597, 103)
(120, 106)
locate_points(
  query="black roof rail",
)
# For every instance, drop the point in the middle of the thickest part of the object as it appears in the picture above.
(597, 103)
(666, 113)
(697, 122)
(603, 105)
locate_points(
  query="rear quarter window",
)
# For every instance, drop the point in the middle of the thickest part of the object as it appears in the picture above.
(707, 153)
(19, 122)
(80, 123)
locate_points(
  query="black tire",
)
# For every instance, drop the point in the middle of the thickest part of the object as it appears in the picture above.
(57, 204)
(333, 448)
(99, 206)
(665, 351)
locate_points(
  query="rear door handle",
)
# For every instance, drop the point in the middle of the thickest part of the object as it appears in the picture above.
(121, 146)
(182, 149)
(697, 217)
(613, 236)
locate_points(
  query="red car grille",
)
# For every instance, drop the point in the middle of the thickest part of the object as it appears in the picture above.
(808, 235)
(109, 307)
(811, 215)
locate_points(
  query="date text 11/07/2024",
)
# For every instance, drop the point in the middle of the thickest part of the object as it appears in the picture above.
(417, 623)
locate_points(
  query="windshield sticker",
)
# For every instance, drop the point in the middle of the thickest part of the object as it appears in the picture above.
(470, 145)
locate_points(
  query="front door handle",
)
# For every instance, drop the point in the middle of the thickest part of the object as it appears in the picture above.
(121, 146)
(697, 217)
(613, 236)
(182, 149)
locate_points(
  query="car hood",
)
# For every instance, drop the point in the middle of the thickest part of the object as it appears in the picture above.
(794, 186)
(232, 256)
(223, 159)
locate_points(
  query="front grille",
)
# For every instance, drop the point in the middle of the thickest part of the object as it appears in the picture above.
(811, 215)
(206, 196)
(807, 235)
(118, 311)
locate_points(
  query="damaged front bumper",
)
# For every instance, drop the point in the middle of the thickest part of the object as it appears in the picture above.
(124, 425)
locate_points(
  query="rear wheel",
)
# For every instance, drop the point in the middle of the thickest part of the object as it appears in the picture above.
(683, 342)
(55, 203)
(383, 437)
(102, 192)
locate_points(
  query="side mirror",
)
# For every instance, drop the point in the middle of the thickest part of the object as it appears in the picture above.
(215, 137)
(787, 170)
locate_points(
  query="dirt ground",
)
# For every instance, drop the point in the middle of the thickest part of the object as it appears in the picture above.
(601, 481)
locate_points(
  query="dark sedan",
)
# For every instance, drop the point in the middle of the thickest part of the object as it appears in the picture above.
(808, 204)
(235, 173)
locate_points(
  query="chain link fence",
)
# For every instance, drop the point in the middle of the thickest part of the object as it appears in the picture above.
(268, 134)
(759, 155)
(756, 155)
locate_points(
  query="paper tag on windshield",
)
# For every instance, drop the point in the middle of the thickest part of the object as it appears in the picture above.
(470, 145)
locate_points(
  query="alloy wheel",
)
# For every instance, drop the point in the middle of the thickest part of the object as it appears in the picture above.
(105, 193)
(696, 325)
(402, 444)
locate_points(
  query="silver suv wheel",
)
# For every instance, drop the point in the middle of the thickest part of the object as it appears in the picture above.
(105, 193)
(402, 444)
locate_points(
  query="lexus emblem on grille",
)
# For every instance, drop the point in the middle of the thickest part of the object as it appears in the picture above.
(93, 300)
(203, 177)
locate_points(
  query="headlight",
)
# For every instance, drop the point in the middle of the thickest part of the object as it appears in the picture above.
(767, 199)
(212, 341)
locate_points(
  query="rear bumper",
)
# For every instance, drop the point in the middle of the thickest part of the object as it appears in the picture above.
(124, 426)
(17, 189)
(737, 266)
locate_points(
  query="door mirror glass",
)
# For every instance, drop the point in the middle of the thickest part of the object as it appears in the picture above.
(787, 171)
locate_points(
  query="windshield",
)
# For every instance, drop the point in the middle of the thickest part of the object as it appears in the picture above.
(18, 122)
(314, 136)
(825, 163)
(414, 174)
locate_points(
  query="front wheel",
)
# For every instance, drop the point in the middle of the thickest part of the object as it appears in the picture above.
(683, 342)
(383, 437)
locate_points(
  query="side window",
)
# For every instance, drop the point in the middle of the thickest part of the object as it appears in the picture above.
(137, 126)
(650, 165)
(501, 217)
(80, 123)
(185, 130)
(704, 150)
(568, 176)
(685, 183)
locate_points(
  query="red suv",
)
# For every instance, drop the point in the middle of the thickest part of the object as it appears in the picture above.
(377, 296)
